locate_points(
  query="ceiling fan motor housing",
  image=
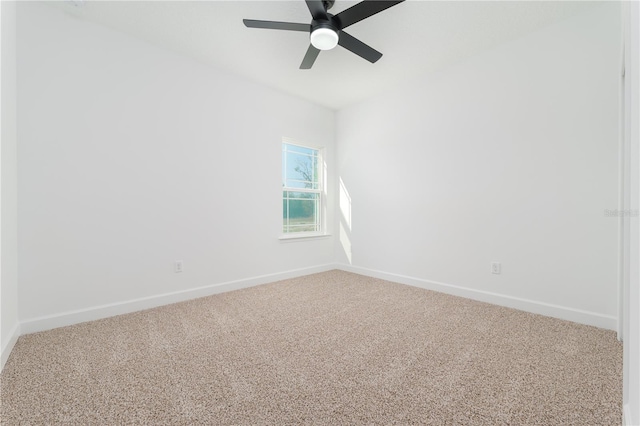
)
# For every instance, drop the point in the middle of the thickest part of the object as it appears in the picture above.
(330, 23)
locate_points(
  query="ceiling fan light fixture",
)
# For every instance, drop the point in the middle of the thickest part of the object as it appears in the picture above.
(324, 38)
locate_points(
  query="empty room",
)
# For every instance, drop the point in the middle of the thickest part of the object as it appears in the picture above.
(320, 212)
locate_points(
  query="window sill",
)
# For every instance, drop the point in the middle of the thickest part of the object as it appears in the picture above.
(303, 237)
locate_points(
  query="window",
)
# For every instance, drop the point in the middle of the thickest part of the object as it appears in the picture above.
(301, 190)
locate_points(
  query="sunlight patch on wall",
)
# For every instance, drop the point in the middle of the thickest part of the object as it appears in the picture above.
(345, 204)
(345, 221)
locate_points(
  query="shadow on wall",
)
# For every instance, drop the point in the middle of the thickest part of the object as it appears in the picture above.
(345, 221)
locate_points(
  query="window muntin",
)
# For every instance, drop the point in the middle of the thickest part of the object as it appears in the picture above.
(302, 189)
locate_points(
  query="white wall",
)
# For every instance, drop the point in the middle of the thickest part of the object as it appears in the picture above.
(131, 157)
(631, 327)
(9, 327)
(509, 156)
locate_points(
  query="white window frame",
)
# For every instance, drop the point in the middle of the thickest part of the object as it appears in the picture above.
(321, 208)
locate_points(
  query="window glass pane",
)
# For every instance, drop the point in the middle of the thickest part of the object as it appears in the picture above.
(300, 167)
(300, 212)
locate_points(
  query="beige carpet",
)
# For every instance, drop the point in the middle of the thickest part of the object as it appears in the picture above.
(331, 348)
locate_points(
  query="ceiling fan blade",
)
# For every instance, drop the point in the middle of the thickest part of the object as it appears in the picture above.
(274, 25)
(351, 43)
(363, 10)
(316, 7)
(309, 58)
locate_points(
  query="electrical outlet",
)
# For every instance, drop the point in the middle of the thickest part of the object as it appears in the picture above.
(496, 268)
(178, 266)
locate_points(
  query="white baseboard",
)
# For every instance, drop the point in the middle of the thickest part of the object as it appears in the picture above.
(8, 346)
(104, 311)
(546, 309)
(626, 416)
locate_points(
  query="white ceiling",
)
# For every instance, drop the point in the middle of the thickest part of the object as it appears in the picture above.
(415, 37)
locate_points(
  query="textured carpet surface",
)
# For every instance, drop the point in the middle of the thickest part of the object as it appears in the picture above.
(330, 348)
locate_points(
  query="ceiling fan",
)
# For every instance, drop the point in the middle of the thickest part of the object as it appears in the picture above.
(327, 30)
